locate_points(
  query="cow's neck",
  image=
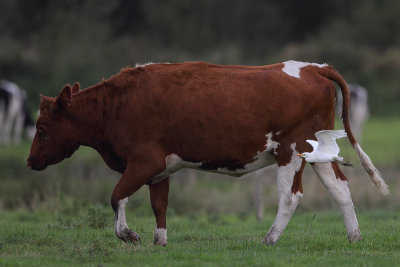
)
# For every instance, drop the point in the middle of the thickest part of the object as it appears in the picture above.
(88, 112)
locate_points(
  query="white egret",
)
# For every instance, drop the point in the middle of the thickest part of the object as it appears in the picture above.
(325, 148)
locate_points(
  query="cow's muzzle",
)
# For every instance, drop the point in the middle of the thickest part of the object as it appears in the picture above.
(35, 165)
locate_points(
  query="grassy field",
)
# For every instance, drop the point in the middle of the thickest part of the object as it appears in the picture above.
(64, 228)
(311, 239)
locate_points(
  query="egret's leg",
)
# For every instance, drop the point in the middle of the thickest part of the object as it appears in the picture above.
(336, 183)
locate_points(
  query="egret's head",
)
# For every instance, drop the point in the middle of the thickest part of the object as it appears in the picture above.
(303, 155)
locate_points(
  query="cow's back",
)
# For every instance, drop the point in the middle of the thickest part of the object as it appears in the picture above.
(217, 106)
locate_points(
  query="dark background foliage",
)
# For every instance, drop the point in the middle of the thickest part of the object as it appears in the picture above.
(45, 44)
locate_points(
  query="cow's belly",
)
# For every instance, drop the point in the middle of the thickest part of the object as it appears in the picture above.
(175, 163)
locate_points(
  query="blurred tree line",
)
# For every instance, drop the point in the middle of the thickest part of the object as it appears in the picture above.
(47, 43)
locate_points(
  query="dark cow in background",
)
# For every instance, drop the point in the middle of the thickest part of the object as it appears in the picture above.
(14, 116)
(150, 121)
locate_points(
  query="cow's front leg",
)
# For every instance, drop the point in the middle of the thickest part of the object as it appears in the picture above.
(159, 203)
(290, 192)
(134, 177)
(122, 230)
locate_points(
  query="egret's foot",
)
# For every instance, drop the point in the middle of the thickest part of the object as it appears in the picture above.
(347, 163)
(160, 237)
(129, 236)
(354, 236)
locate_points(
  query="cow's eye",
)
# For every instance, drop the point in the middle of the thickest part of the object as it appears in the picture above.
(41, 130)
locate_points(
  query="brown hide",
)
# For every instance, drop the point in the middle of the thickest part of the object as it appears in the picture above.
(218, 116)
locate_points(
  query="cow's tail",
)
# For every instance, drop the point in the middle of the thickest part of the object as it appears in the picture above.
(365, 160)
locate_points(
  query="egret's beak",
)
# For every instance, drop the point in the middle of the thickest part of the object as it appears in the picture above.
(300, 155)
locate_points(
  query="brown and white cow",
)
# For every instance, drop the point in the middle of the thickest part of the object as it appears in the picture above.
(149, 121)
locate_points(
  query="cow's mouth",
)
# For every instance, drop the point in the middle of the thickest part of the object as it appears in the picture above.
(35, 166)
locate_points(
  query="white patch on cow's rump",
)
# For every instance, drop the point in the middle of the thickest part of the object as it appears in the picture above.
(292, 68)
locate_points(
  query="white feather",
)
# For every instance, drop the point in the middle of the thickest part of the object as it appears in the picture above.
(325, 149)
(327, 141)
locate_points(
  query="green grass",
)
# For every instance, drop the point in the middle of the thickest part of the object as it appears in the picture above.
(380, 140)
(311, 239)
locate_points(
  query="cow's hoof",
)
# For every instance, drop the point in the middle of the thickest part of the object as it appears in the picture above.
(133, 237)
(268, 241)
(130, 237)
(354, 236)
(160, 237)
(271, 238)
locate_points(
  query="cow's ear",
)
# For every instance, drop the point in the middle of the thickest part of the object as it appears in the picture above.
(63, 100)
(75, 88)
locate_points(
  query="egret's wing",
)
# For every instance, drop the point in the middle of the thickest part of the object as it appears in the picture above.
(327, 141)
(313, 143)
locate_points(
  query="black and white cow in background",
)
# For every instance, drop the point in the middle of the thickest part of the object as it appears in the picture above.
(14, 116)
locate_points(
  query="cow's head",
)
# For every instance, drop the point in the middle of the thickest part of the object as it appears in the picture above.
(55, 138)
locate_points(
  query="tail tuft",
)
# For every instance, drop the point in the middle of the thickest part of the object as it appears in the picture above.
(372, 172)
(366, 162)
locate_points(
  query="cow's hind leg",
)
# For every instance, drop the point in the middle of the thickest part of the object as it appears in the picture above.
(290, 192)
(336, 183)
(159, 203)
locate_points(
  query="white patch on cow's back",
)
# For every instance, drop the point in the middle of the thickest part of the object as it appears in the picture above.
(149, 63)
(144, 65)
(292, 68)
